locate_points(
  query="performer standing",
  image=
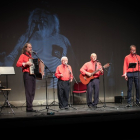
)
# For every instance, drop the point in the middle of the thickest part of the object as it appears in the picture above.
(65, 76)
(93, 83)
(29, 80)
(132, 74)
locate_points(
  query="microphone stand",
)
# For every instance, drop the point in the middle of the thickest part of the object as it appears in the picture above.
(104, 91)
(53, 103)
(70, 85)
(47, 106)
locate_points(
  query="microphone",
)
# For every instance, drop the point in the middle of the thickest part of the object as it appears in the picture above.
(135, 53)
(97, 60)
(66, 64)
(33, 52)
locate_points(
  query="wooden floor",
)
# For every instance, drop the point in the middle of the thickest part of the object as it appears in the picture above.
(107, 117)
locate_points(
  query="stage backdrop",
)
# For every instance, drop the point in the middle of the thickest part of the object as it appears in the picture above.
(72, 29)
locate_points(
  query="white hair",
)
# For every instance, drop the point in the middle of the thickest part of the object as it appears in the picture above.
(93, 54)
(64, 57)
(131, 46)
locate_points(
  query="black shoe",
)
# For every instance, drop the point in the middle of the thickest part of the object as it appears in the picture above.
(129, 105)
(67, 108)
(92, 106)
(31, 110)
(62, 108)
(138, 104)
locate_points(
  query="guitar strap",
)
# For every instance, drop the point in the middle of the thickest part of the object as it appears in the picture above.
(95, 66)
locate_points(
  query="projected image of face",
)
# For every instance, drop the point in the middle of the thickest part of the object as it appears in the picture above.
(43, 34)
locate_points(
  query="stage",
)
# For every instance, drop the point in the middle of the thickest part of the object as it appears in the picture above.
(77, 118)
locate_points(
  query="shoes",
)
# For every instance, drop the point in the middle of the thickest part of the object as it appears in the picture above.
(129, 105)
(62, 108)
(95, 106)
(31, 110)
(67, 108)
(92, 106)
(138, 104)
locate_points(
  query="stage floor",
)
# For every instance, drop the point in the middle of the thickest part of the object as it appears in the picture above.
(106, 116)
(18, 112)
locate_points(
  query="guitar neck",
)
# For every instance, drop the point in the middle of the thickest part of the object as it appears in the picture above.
(94, 72)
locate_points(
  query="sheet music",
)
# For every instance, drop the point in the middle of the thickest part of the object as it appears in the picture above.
(7, 70)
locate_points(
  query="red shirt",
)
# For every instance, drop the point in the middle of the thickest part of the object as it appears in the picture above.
(63, 69)
(23, 59)
(130, 59)
(91, 66)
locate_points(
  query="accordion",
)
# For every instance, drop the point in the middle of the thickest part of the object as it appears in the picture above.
(37, 68)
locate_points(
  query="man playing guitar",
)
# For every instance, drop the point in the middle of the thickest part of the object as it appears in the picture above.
(91, 71)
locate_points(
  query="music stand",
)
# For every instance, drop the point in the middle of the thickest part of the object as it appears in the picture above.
(47, 106)
(133, 65)
(7, 71)
(53, 103)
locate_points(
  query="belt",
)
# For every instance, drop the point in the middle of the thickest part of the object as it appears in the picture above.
(63, 80)
(95, 78)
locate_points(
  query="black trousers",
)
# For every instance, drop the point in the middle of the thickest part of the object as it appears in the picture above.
(133, 77)
(93, 85)
(63, 88)
(30, 85)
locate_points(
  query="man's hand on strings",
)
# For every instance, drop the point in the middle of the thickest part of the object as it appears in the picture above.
(88, 73)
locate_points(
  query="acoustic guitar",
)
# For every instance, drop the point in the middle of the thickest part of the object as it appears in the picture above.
(85, 79)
